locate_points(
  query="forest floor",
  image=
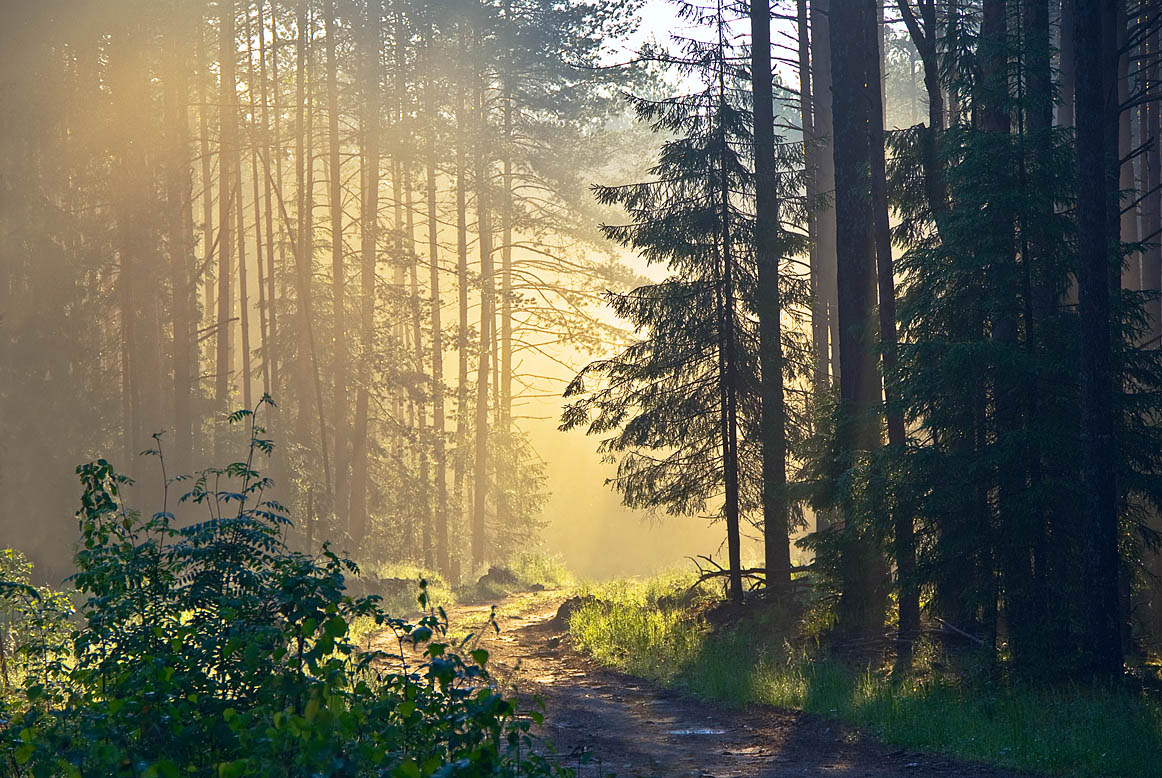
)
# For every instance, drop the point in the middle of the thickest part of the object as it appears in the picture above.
(635, 729)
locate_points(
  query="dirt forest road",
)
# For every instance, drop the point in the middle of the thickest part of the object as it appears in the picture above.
(636, 730)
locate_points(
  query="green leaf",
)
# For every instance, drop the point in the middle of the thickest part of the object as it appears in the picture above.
(408, 769)
(336, 626)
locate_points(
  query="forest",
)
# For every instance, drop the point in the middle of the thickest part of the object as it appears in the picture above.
(305, 306)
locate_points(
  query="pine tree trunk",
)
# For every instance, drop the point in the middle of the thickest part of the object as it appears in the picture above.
(401, 257)
(421, 409)
(773, 433)
(227, 153)
(481, 431)
(304, 250)
(338, 279)
(1152, 281)
(181, 252)
(1039, 295)
(811, 159)
(992, 104)
(369, 222)
(437, 387)
(1094, 45)
(1152, 204)
(461, 460)
(727, 332)
(205, 95)
(852, 29)
(952, 34)
(243, 289)
(1068, 68)
(825, 242)
(505, 468)
(1128, 221)
(257, 136)
(902, 512)
(276, 146)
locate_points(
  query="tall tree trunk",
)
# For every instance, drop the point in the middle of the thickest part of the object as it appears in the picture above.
(461, 460)
(952, 34)
(1152, 277)
(484, 228)
(811, 159)
(258, 136)
(304, 249)
(132, 236)
(1038, 291)
(421, 409)
(1065, 111)
(276, 145)
(1128, 221)
(437, 388)
(227, 152)
(205, 95)
(902, 513)
(852, 30)
(1094, 44)
(338, 279)
(181, 247)
(243, 293)
(773, 431)
(505, 469)
(992, 106)
(402, 255)
(369, 223)
(1152, 202)
(727, 334)
(825, 218)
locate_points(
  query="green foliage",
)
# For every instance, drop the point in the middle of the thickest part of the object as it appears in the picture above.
(33, 623)
(659, 403)
(987, 384)
(213, 650)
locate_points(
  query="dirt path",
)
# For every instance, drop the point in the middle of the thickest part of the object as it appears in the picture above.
(636, 730)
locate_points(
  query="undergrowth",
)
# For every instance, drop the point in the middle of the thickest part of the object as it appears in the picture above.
(653, 630)
(395, 582)
(211, 649)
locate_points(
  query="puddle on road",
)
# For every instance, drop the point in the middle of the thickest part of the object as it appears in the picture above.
(696, 732)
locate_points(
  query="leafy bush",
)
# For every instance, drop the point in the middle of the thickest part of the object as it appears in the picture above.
(33, 622)
(213, 650)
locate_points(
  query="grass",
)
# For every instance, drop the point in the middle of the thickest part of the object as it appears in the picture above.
(403, 601)
(641, 628)
(524, 573)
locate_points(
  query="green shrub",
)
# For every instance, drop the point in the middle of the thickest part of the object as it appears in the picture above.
(33, 623)
(213, 650)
